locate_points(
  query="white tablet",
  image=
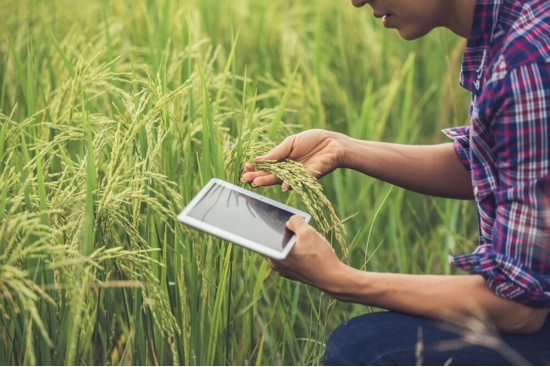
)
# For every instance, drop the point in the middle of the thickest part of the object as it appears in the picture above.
(242, 217)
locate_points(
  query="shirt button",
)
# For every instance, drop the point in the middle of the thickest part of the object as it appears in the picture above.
(476, 191)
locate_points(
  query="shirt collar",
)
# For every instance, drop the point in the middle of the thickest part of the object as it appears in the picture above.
(486, 16)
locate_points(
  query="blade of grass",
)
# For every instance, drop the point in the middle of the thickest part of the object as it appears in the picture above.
(59, 49)
(91, 184)
(276, 122)
(216, 316)
(225, 74)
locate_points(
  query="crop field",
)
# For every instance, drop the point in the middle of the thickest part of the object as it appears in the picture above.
(113, 114)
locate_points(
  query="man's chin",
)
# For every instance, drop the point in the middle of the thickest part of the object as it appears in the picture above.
(411, 35)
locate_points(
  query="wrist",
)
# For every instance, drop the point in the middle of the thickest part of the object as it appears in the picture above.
(343, 283)
(344, 152)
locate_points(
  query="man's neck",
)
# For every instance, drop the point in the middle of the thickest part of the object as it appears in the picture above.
(460, 17)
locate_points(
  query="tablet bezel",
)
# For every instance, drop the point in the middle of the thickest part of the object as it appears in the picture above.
(232, 236)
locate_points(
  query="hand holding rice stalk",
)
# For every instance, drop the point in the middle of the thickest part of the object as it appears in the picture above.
(304, 183)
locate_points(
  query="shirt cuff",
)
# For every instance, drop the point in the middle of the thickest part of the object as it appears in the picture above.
(461, 137)
(506, 276)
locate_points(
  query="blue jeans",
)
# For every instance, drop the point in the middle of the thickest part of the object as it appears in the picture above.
(390, 338)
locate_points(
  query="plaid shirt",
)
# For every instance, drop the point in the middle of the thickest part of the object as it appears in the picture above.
(506, 148)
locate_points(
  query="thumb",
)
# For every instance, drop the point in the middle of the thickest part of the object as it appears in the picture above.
(280, 152)
(296, 224)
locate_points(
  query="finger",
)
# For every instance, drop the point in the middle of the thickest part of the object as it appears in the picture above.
(280, 152)
(248, 167)
(260, 178)
(297, 224)
(267, 180)
(264, 179)
(251, 175)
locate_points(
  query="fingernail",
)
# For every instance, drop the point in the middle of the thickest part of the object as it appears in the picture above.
(253, 184)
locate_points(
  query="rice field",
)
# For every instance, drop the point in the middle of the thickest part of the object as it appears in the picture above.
(113, 114)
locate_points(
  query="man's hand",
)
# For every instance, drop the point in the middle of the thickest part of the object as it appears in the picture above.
(312, 260)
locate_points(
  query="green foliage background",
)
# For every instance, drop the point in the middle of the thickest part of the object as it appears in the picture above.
(113, 114)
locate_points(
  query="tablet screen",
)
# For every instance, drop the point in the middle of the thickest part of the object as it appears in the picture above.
(243, 215)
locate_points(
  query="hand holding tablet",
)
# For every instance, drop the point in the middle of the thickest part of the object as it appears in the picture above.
(242, 217)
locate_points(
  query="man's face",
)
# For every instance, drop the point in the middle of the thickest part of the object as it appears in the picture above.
(411, 18)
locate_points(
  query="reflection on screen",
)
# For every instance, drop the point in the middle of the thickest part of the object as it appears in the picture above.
(244, 215)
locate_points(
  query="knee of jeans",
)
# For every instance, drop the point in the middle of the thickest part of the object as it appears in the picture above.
(343, 347)
(372, 339)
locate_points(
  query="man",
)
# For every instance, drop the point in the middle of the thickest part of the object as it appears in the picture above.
(502, 161)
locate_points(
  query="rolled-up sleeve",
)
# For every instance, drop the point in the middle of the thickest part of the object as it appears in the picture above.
(514, 254)
(461, 143)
